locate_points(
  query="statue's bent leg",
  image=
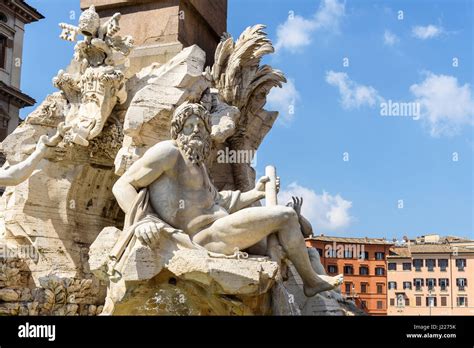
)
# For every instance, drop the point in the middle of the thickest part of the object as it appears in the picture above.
(248, 226)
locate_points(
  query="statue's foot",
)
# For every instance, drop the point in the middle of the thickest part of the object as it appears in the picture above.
(326, 283)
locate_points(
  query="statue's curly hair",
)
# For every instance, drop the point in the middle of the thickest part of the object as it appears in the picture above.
(184, 111)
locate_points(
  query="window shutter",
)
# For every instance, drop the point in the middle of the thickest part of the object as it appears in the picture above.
(447, 282)
(465, 281)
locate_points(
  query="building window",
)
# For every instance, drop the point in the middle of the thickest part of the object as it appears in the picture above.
(461, 283)
(431, 301)
(379, 304)
(461, 301)
(407, 302)
(379, 255)
(444, 301)
(363, 304)
(363, 288)
(3, 17)
(3, 51)
(418, 301)
(392, 302)
(332, 269)
(379, 271)
(392, 285)
(320, 252)
(4, 120)
(443, 283)
(364, 255)
(364, 270)
(348, 270)
(442, 264)
(331, 253)
(460, 264)
(400, 300)
(348, 287)
(348, 254)
(417, 263)
(418, 283)
(431, 283)
(430, 263)
(407, 266)
(379, 288)
(392, 266)
(406, 285)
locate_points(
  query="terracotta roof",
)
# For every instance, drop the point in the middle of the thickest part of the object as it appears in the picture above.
(379, 241)
(408, 251)
(399, 253)
(454, 239)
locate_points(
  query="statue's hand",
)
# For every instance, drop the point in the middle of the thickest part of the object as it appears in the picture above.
(148, 233)
(260, 185)
(296, 204)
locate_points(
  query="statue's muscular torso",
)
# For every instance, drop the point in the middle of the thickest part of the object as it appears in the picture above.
(181, 195)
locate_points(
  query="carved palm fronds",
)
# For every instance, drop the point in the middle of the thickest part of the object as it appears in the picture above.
(243, 83)
(237, 73)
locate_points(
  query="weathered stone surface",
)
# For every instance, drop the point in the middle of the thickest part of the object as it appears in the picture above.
(147, 120)
(195, 283)
(251, 276)
(8, 295)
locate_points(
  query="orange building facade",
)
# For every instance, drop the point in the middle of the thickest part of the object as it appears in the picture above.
(363, 263)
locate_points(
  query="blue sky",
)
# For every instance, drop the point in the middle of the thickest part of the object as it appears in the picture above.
(337, 107)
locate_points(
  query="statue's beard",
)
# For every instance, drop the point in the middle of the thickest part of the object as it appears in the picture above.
(195, 150)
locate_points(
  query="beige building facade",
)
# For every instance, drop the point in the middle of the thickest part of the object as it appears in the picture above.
(430, 279)
(14, 15)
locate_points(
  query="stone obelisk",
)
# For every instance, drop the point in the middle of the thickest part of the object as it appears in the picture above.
(162, 28)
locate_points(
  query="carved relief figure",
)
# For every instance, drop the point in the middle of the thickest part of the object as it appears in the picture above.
(100, 84)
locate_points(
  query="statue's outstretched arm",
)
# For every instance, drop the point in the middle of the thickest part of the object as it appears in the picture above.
(16, 174)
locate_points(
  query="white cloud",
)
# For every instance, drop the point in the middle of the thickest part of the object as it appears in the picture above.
(426, 32)
(296, 32)
(284, 100)
(325, 212)
(389, 38)
(446, 106)
(353, 95)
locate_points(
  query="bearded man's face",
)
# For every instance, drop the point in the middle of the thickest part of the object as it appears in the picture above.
(194, 140)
